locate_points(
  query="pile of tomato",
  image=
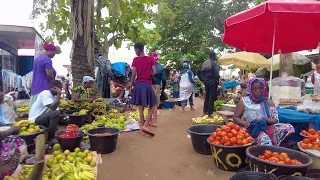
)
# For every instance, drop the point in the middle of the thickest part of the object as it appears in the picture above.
(71, 132)
(281, 158)
(72, 127)
(230, 135)
(311, 142)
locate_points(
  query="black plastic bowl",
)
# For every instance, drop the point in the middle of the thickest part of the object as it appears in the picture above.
(314, 174)
(103, 144)
(78, 120)
(229, 158)
(199, 135)
(250, 175)
(257, 164)
(293, 178)
(69, 143)
(29, 139)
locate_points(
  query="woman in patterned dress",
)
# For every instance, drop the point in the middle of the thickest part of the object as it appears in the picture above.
(256, 104)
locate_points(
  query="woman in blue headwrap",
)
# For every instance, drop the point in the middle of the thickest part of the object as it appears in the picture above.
(186, 87)
(257, 111)
(83, 92)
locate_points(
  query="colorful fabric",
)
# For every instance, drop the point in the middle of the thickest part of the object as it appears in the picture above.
(10, 154)
(155, 56)
(86, 79)
(281, 131)
(143, 65)
(257, 126)
(119, 68)
(40, 79)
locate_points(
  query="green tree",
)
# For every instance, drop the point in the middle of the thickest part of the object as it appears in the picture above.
(190, 28)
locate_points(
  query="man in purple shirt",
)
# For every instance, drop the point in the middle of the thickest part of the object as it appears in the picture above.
(43, 72)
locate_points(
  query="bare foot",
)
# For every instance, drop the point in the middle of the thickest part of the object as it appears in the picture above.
(182, 110)
(192, 108)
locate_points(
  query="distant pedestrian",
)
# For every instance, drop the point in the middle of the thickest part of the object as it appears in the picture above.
(186, 87)
(209, 75)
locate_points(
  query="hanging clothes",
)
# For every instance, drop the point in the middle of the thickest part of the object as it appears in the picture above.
(103, 76)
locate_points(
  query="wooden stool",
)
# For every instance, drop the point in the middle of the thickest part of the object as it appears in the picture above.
(226, 115)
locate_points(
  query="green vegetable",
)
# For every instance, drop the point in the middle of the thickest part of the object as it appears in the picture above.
(217, 104)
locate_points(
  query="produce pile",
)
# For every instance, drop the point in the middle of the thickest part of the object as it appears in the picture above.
(230, 135)
(22, 111)
(64, 166)
(311, 141)
(135, 115)
(231, 102)
(206, 120)
(96, 106)
(281, 158)
(81, 112)
(27, 127)
(218, 104)
(102, 134)
(71, 132)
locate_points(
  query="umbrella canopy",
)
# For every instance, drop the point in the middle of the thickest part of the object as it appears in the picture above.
(293, 25)
(245, 60)
(297, 59)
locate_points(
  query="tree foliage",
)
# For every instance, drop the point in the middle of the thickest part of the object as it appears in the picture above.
(125, 20)
(192, 28)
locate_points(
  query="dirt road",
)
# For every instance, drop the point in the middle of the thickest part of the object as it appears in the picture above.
(167, 156)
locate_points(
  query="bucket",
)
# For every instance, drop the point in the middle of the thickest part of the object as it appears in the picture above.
(293, 178)
(168, 105)
(69, 143)
(250, 175)
(103, 144)
(29, 139)
(314, 174)
(199, 135)
(229, 158)
(77, 119)
(257, 164)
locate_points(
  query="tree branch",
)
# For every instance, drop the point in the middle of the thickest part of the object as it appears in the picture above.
(116, 37)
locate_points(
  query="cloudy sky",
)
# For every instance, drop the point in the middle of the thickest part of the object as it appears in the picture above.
(17, 12)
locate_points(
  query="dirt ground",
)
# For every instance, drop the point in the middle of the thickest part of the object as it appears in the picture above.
(167, 156)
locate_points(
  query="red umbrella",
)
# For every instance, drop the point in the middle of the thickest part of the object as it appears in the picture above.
(286, 25)
(291, 25)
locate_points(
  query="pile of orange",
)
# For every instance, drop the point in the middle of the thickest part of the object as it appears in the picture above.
(311, 142)
(281, 158)
(230, 135)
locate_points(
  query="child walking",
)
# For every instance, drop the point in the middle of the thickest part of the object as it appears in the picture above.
(143, 68)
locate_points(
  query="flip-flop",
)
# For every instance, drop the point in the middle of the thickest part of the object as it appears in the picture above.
(152, 125)
(147, 131)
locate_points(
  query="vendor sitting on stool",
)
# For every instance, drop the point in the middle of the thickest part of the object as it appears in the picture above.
(259, 115)
(84, 92)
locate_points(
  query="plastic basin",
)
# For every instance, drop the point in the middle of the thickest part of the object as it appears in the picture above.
(168, 105)
(229, 158)
(294, 178)
(257, 164)
(103, 144)
(250, 175)
(78, 120)
(29, 139)
(69, 143)
(314, 174)
(199, 135)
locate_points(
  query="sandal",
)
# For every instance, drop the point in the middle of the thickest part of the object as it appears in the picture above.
(141, 133)
(152, 124)
(147, 131)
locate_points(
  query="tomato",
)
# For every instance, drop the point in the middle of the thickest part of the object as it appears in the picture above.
(304, 132)
(218, 129)
(218, 133)
(211, 139)
(267, 153)
(234, 132)
(218, 138)
(303, 145)
(233, 140)
(312, 131)
(293, 161)
(312, 138)
(306, 141)
(223, 141)
(230, 135)
(287, 161)
(244, 141)
(228, 129)
(284, 155)
(262, 157)
(246, 135)
(275, 159)
(275, 154)
(240, 137)
(318, 133)
(223, 134)
(224, 127)
(239, 142)
(280, 158)
(237, 128)
(249, 139)
(216, 142)
(228, 143)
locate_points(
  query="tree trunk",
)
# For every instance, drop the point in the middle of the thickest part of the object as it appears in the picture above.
(82, 27)
(286, 63)
(106, 46)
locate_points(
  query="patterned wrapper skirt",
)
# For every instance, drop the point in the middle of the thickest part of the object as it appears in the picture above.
(143, 95)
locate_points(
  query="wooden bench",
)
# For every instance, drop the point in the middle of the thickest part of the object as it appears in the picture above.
(226, 115)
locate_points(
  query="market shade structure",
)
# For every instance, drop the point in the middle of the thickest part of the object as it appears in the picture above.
(275, 26)
(245, 60)
(294, 25)
(298, 59)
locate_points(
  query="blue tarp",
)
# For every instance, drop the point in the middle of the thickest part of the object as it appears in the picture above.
(227, 85)
(293, 116)
(119, 68)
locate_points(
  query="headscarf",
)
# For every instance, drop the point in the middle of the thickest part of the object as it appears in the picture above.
(155, 56)
(87, 79)
(49, 47)
(185, 64)
(263, 101)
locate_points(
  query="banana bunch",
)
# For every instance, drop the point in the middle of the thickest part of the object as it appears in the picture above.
(81, 112)
(23, 109)
(66, 105)
(231, 102)
(205, 119)
(135, 115)
(23, 123)
(83, 171)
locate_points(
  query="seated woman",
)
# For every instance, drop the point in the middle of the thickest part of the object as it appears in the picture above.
(257, 105)
(84, 92)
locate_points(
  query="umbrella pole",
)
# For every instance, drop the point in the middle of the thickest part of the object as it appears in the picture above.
(273, 44)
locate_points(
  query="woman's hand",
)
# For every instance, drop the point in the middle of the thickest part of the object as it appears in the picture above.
(246, 124)
(271, 121)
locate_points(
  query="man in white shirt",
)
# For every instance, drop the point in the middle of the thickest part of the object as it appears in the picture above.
(44, 110)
